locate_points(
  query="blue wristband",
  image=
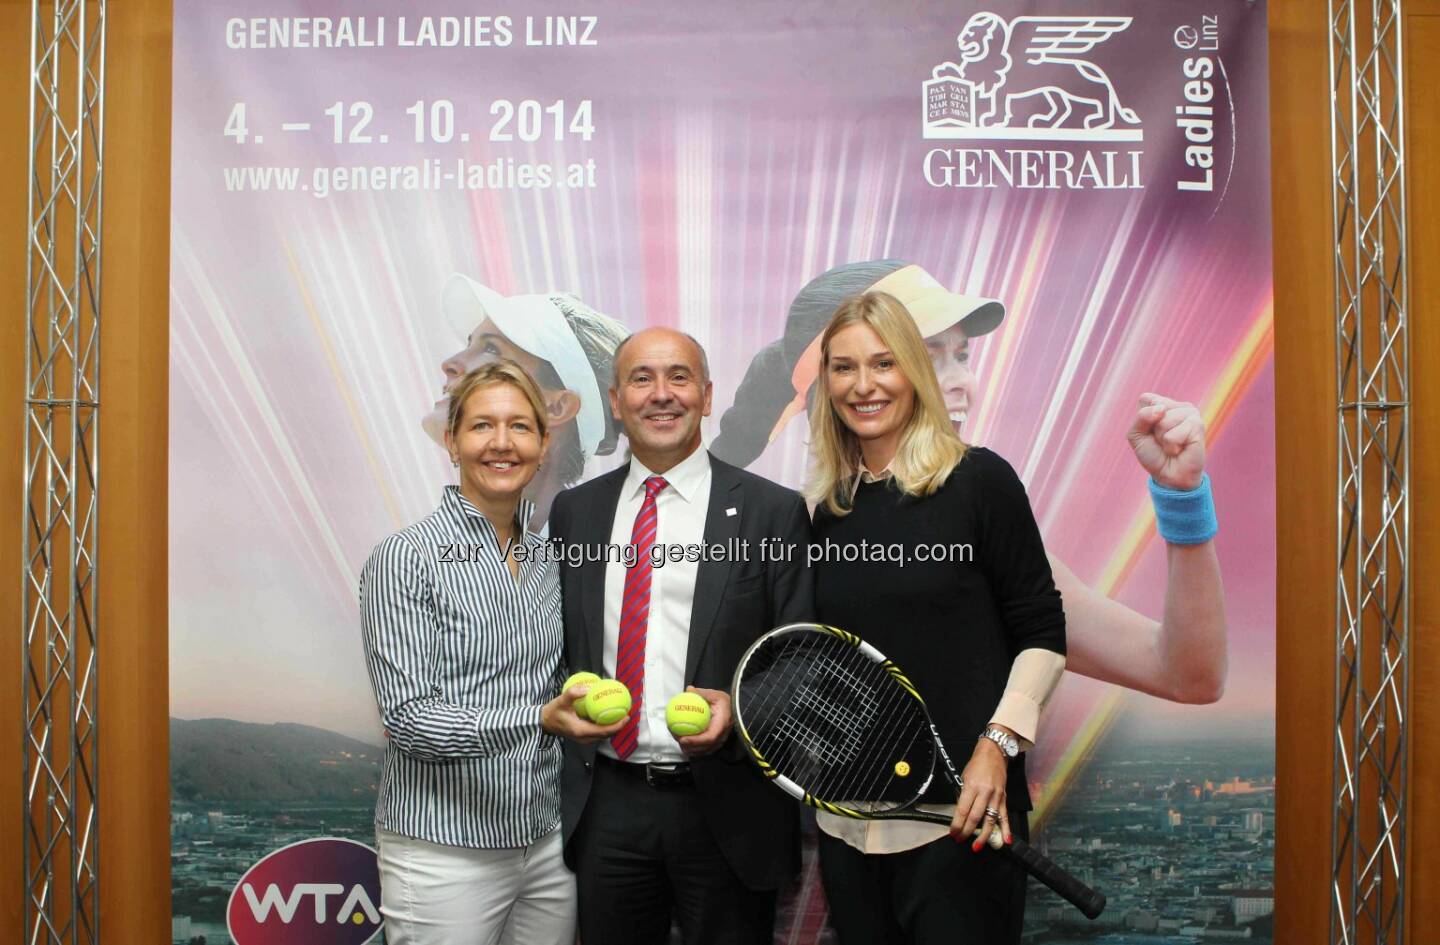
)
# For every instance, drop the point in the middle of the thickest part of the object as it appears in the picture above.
(1185, 518)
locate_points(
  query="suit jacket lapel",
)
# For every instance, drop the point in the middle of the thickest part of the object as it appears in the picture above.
(710, 581)
(601, 522)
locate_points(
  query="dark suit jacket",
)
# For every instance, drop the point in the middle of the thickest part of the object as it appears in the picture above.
(736, 601)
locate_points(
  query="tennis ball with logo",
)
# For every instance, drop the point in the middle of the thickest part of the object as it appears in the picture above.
(608, 701)
(687, 714)
(581, 679)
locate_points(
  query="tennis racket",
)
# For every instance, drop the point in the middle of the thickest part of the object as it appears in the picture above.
(829, 720)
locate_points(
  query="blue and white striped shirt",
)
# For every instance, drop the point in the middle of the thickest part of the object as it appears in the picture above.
(462, 656)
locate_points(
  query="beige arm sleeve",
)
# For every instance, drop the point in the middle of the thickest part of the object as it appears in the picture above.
(1033, 677)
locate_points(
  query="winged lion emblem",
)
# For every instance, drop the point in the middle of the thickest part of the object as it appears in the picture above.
(1030, 72)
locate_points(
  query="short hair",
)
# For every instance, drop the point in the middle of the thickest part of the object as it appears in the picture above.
(503, 371)
(704, 358)
(929, 447)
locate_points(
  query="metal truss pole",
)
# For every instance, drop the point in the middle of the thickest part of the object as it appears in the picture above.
(62, 403)
(1372, 621)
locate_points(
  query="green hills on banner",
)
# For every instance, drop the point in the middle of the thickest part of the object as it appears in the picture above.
(222, 760)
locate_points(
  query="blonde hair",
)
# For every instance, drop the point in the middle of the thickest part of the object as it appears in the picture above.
(929, 448)
(503, 371)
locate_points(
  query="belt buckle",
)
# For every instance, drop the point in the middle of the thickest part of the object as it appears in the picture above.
(661, 776)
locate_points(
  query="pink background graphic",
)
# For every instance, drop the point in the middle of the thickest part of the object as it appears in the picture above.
(738, 152)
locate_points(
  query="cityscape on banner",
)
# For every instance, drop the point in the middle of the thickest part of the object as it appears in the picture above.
(1180, 836)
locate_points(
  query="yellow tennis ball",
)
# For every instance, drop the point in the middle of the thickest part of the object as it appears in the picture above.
(581, 679)
(608, 701)
(687, 714)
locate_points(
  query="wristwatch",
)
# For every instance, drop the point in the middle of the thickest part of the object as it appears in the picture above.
(1009, 744)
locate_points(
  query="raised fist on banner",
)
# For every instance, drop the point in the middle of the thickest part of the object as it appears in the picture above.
(1168, 437)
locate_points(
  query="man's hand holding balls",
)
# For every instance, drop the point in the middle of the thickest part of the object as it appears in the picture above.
(571, 714)
(687, 714)
(590, 709)
(714, 733)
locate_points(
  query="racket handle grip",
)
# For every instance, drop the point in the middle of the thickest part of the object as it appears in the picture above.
(1089, 901)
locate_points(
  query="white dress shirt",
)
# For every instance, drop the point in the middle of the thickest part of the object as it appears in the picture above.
(680, 511)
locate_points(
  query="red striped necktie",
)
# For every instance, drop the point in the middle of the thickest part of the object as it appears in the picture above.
(635, 618)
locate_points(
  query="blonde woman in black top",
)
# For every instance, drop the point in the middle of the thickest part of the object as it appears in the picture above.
(928, 549)
(1183, 656)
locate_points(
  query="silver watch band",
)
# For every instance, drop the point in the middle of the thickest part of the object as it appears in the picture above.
(1009, 745)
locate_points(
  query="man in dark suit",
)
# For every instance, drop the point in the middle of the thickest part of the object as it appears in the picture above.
(656, 826)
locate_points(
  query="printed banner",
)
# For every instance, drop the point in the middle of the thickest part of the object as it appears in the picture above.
(357, 185)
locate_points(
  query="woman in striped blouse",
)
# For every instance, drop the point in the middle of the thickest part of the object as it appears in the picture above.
(461, 620)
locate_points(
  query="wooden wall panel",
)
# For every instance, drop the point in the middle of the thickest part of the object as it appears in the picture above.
(134, 829)
(1305, 444)
(1305, 465)
(1422, 54)
(134, 694)
(14, 137)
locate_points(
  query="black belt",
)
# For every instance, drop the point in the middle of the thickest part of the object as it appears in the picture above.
(656, 774)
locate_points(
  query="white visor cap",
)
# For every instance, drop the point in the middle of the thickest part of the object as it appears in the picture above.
(534, 325)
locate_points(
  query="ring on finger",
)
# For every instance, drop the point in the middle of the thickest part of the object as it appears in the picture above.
(992, 813)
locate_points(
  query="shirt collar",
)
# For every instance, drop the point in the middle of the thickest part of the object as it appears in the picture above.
(865, 475)
(457, 503)
(684, 478)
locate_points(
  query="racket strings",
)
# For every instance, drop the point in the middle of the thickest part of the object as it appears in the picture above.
(784, 714)
(847, 697)
(768, 681)
(893, 749)
(823, 716)
(834, 721)
(878, 780)
(839, 786)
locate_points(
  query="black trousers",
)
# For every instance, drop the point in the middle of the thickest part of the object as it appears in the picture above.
(644, 857)
(938, 894)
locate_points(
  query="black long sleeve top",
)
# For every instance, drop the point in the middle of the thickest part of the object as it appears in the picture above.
(949, 586)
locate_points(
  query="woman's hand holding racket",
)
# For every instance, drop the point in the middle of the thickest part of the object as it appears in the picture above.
(984, 791)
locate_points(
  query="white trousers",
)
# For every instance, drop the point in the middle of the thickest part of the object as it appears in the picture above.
(434, 894)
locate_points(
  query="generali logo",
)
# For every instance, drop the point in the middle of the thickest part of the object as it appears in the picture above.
(1033, 107)
(1028, 104)
(316, 892)
(1029, 78)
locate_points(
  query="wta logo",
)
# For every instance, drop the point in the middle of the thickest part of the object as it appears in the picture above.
(315, 892)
